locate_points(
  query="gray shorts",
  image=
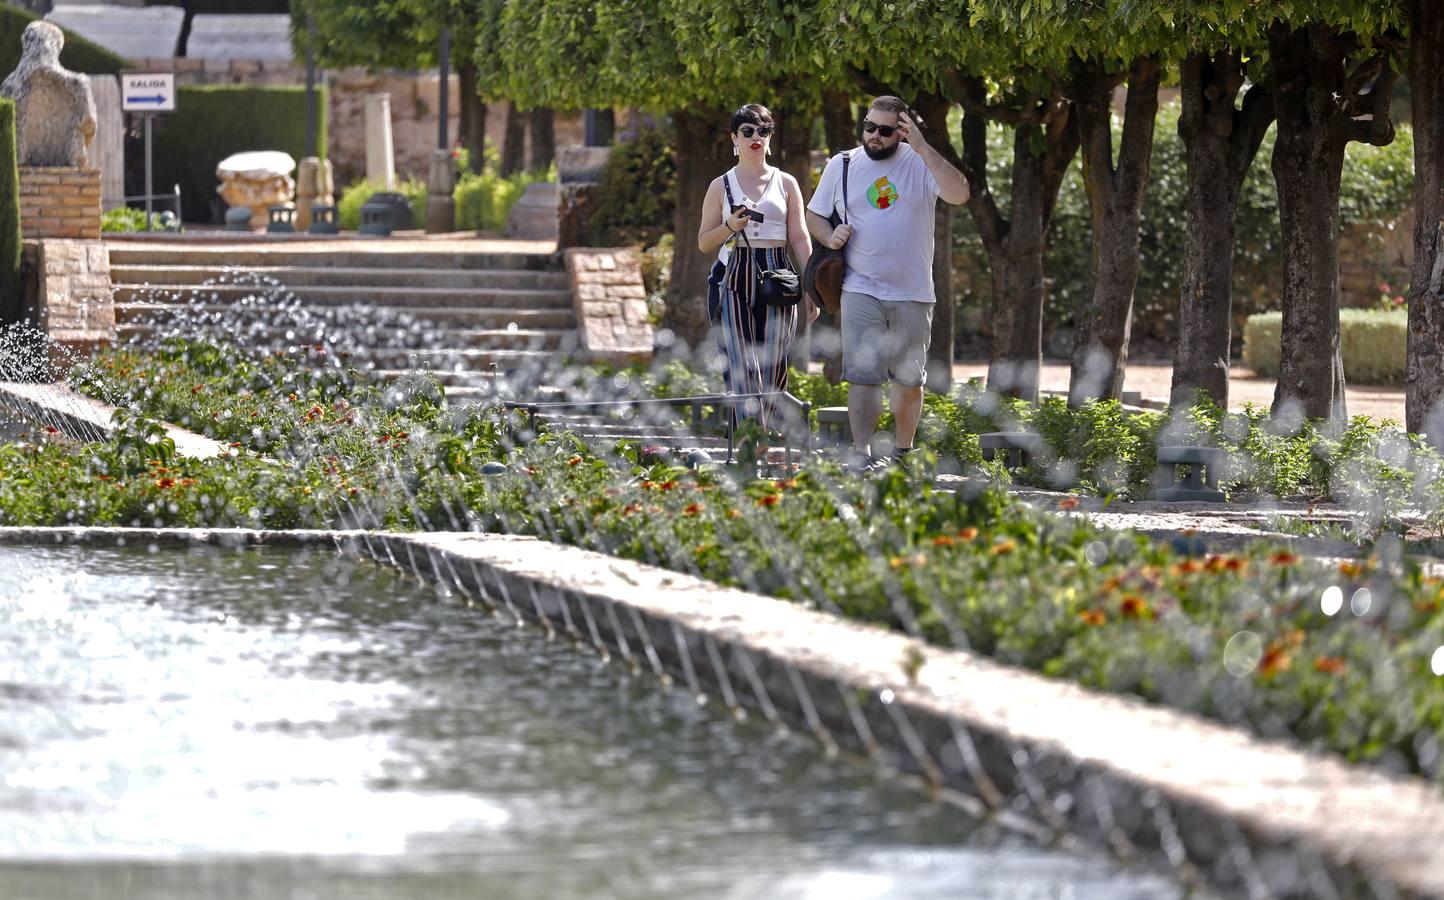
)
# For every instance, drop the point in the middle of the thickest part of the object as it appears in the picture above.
(885, 340)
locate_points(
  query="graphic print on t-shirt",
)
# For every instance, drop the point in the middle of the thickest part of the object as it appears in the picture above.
(881, 193)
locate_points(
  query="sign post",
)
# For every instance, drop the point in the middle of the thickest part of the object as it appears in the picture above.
(147, 95)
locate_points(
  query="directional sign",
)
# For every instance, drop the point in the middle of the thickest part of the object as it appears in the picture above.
(148, 93)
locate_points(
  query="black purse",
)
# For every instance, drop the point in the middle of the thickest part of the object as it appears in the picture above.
(775, 287)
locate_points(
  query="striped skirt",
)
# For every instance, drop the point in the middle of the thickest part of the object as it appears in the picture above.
(756, 338)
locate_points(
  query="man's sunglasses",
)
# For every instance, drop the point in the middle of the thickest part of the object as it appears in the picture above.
(748, 131)
(884, 130)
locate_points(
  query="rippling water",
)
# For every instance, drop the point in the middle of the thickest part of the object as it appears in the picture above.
(284, 724)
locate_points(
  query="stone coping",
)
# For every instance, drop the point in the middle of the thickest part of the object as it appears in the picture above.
(398, 242)
(1253, 817)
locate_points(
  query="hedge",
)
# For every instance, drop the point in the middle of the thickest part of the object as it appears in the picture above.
(1374, 344)
(78, 55)
(10, 301)
(213, 121)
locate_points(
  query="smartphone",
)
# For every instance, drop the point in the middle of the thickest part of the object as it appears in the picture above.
(752, 214)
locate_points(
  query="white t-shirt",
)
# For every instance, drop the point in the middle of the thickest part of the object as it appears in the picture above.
(891, 205)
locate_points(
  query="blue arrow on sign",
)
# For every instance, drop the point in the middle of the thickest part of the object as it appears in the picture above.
(157, 99)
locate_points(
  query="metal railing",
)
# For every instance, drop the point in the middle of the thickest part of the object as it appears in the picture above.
(173, 197)
(697, 404)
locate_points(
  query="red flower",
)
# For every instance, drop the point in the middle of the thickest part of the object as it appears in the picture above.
(51, 429)
(574, 461)
(1329, 665)
(785, 484)
(968, 533)
(1284, 558)
(164, 483)
(944, 540)
(693, 509)
(1003, 548)
(769, 500)
(1134, 607)
(1092, 617)
(1069, 503)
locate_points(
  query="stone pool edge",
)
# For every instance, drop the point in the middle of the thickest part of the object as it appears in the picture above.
(1218, 805)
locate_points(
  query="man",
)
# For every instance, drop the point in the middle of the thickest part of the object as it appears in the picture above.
(887, 286)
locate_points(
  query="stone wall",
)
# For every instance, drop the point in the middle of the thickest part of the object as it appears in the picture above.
(611, 304)
(59, 203)
(68, 291)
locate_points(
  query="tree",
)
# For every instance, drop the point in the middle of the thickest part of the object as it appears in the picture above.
(1330, 86)
(1424, 375)
(1221, 137)
(404, 34)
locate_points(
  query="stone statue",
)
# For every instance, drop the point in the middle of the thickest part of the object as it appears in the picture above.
(54, 110)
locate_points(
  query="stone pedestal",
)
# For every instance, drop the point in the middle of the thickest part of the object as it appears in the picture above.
(380, 158)
(534, 215)
(60, 202)
(68, 292)
(315, 184)
(257, 180)
(440, 205)
(578, 171)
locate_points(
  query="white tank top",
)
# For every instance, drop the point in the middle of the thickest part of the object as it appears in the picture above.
(772, 204)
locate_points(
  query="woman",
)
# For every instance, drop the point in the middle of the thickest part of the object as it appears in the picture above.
(755, 238)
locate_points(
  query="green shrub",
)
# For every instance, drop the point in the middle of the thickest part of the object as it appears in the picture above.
(484, 201)
(1373, 343)
(123, 220)
(637, 192)
(78, 55)
(213, 121)
(355, 195)
(10, 299)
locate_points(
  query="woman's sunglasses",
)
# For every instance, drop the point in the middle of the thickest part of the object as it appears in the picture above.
(748, 131)
(884, 130)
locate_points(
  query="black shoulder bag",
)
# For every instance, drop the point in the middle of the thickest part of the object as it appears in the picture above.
(775, 287)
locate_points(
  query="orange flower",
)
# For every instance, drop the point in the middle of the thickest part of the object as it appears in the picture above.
(187, 482)
(1329, 665)
(1134, 607)
(574, 461)
(693, 509)
(1284, 558)
(631, 508)
(769, 500)
(668, 485)
(734, 514)
(648, 485)
(785, 484)
(1275, 659)
(1352, 569)
(1188, 567)
(1112, 583)
(1423, 606)
(1003, 548)
(897, 562)
(1092, 617)
(968, 533)
(164, 483)
(1234, 564)
(1069, 503)
(944, 540)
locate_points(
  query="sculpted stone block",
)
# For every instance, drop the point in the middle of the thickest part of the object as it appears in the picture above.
(54, 109)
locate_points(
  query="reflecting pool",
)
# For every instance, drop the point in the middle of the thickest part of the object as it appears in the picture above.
(288, 724)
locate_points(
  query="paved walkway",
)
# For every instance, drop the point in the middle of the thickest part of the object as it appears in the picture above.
(1153, 379)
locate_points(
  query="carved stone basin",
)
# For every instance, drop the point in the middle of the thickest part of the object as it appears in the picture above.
(257, 179)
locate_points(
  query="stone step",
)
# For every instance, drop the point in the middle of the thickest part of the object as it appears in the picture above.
(469, 360)
(218, 258)
(458, 339)
(340, 276)
(457, 317)
(407, 298)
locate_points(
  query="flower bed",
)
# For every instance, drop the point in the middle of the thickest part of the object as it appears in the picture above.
(1335, 656)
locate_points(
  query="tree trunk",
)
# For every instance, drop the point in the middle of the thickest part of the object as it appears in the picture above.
(513, 147)
(703, 152)
(940, 350)
(1308, 164)
(1015, 245)
(1115, 198)
(838, 123)
(543, 139)
(473, 116)
(1220, 143)
(1424, 378)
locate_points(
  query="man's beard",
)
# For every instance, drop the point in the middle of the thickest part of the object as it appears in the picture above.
(883, 153)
